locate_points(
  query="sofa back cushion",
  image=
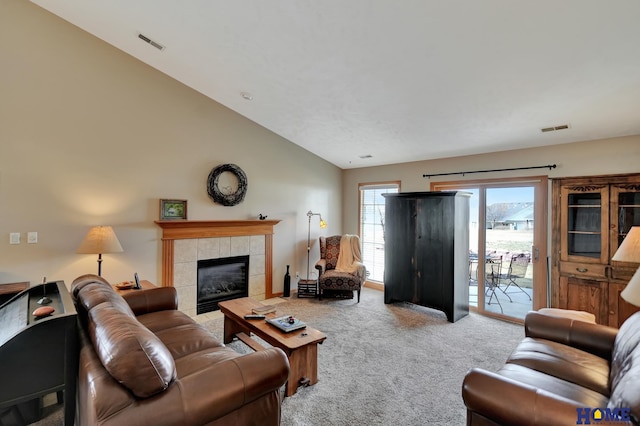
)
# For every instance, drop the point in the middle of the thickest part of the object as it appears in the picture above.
(86, 280)
(625, 367)
(89, 291)
(132, 354)
(94, 295)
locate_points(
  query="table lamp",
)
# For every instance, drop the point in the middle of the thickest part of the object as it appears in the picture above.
(99, 240)
(629, 251)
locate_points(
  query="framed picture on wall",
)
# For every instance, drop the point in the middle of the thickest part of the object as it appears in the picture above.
(173, 209)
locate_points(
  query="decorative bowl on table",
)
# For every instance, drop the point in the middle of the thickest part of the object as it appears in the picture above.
(125, 285)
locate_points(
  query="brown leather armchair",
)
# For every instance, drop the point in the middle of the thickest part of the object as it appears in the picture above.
(565, 371)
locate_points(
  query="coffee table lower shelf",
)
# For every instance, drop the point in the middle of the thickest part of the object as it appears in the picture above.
(300, 346)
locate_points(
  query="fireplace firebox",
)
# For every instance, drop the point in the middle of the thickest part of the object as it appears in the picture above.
(221, 279)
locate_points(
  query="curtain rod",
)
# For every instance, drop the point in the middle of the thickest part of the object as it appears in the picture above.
(549, 166)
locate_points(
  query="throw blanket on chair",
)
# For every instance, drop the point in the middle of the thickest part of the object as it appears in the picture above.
(350, 258)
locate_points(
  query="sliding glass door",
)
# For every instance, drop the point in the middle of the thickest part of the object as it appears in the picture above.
(508, 249)
(507, 245)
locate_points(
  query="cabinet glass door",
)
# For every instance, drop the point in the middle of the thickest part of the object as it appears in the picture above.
(585, 213)
(625, 212)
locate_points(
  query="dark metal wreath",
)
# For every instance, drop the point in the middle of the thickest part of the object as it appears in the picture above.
(227, 196)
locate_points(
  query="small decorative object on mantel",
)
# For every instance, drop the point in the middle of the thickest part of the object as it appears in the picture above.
(227, 184)
(261, 216)
(173, 209)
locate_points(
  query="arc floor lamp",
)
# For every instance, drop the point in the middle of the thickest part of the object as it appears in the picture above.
(323, 225)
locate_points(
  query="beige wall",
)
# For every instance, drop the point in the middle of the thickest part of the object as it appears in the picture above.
(606, 156)
(89, 136)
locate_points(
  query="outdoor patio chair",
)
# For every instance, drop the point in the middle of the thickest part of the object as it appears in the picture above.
(517, 270)
(493, 274)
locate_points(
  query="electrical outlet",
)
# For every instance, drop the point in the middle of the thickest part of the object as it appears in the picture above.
(297, 274)
(14, 238)
(32, 237)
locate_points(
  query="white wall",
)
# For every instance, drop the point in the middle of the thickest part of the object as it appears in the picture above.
(90, 136)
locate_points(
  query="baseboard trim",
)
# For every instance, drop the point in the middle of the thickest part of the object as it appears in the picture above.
(374, 285)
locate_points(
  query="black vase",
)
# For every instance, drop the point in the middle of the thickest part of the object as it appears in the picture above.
(287, 283)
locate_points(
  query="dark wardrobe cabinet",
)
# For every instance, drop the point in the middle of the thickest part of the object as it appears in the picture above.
(427, 250)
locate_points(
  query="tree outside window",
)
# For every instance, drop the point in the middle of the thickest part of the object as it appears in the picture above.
(372, 208)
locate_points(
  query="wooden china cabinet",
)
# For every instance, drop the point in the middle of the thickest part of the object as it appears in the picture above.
(591, 217)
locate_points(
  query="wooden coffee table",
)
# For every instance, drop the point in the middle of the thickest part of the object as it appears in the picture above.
(301, 346)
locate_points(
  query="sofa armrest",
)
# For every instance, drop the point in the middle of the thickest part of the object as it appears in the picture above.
(152, 300)
(569, 313)
(321, 266)
(593, 338)
(509, 402)
(361, 272)
(226, 386)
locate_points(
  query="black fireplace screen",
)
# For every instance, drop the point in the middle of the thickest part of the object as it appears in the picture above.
(221, 279)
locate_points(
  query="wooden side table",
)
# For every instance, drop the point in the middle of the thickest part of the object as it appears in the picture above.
(143, 283)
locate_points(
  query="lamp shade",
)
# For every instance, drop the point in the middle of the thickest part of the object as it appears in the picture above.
(631, 292)
(100, 239)
(629, 250)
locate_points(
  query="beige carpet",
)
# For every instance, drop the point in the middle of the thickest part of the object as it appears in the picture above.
(397, 364)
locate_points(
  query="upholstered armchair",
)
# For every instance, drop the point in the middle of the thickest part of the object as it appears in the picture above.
(343, 276)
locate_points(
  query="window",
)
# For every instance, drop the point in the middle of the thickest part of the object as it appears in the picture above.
(372, 226)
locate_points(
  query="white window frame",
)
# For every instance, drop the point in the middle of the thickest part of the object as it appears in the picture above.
(372, 233)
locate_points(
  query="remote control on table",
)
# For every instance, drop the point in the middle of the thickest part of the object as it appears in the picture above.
(254, 316)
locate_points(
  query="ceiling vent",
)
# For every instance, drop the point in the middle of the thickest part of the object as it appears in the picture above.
(151, 42)
(554, 128)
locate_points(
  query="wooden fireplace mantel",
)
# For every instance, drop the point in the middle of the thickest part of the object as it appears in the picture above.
(186, 229)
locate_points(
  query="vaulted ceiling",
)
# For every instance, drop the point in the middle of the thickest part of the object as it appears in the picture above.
(372, 82)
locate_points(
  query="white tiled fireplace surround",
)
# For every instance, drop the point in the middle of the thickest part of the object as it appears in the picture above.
(185, 264)
(186, 242)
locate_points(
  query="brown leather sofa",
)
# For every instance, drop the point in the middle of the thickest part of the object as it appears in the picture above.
(564, 372)
(143, 362)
